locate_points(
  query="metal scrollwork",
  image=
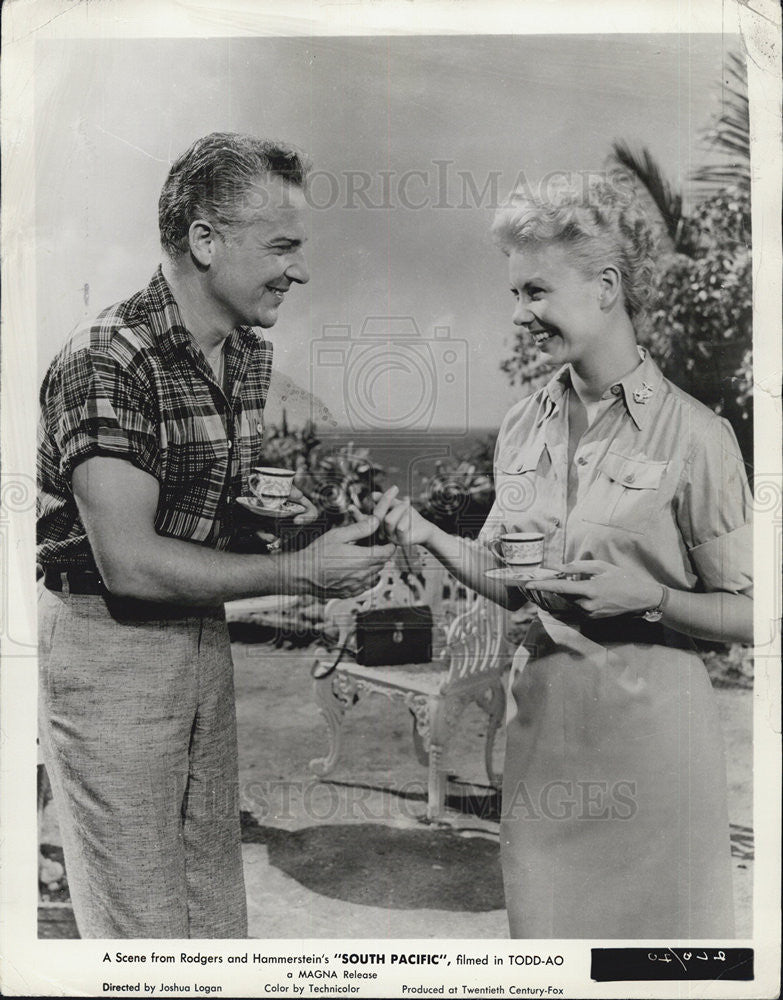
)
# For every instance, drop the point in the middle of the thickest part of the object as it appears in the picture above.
(419, 704)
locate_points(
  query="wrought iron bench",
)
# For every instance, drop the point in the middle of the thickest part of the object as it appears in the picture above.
(470, 653)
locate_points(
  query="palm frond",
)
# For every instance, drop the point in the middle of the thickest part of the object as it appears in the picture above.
(643, 166)
(720, 177)
(729, 132)
(737, 68)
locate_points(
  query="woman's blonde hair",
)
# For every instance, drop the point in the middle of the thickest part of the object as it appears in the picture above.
(601, 221)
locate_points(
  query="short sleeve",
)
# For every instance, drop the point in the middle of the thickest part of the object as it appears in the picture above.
(713, 508)
(493, 526)
(97, 407)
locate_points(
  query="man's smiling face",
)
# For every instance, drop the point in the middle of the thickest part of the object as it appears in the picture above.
(257, 261)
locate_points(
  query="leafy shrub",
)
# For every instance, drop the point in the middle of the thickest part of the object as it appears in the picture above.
(730, 667)
(700, 327)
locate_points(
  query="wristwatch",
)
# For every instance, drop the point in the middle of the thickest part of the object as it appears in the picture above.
(655, 614)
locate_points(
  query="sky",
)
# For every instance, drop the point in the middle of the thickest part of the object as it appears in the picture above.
(412, 138)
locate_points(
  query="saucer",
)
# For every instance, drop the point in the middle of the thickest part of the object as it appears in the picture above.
(513, 576)
(289, 509)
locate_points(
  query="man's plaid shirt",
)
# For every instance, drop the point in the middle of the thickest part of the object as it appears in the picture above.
(134, 385)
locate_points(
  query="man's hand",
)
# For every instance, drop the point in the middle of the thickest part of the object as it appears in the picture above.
(117, 503)
(310, 513)
(332, 566)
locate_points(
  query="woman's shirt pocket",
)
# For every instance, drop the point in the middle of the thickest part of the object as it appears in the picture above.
(626, 493)
(519, 477)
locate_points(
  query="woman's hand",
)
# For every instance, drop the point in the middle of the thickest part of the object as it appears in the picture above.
(607, 591)
(402, 523)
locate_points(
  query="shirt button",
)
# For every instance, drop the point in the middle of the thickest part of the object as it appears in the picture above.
(616, 390)
(260, 428)
(556, 521)
(581, 460)
(630, 477)
(230, 444)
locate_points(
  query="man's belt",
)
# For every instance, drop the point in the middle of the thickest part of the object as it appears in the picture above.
(85, 581)
(74, 581)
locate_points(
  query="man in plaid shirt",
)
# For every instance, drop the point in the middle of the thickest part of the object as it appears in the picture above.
(151, 417)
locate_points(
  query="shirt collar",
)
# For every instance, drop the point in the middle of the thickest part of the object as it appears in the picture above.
(173, 340)
(245, 349)
(639, 389)
(163, 316)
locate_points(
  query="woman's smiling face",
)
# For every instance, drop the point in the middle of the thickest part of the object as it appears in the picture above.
(555, 302)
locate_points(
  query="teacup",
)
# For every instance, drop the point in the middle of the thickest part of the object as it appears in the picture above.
(271, 487)
(519, 548)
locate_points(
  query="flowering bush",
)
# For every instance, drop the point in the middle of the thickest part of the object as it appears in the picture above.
(333, 478)
(459, 495)
(289, 449)
(336, 479)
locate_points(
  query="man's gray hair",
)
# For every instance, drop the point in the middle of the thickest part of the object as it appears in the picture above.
(213, 179)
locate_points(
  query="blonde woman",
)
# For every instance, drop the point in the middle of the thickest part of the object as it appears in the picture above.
(614, 797)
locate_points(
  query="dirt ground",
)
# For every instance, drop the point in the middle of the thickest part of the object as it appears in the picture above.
(353, 856)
